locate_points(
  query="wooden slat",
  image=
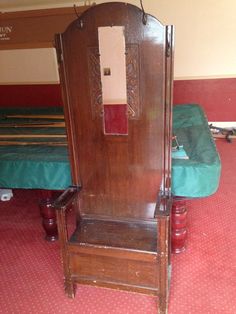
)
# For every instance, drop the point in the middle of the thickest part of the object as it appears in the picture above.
(115, 285)
(112, 252)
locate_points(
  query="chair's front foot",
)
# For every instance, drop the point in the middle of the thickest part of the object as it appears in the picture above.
(163, 305)
(70, 288)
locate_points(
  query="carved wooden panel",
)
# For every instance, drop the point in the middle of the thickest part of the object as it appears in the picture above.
(95, 85)
(132, 75)
(133, 81)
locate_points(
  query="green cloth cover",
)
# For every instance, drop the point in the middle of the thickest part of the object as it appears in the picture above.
(33, 167)
(199, 175)
(43, 167)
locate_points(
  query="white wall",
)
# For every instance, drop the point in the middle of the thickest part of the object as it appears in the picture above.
(205, 45)
(28, 66)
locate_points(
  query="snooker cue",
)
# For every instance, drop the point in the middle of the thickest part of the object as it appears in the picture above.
(9, 143)
(34, 125)
(35, 116)
(32, 136)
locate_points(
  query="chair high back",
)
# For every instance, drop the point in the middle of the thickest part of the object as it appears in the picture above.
(115, 66)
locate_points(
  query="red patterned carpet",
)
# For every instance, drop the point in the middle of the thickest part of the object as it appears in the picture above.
(203, 277)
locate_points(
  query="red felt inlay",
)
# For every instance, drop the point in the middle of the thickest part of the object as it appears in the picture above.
(115, 119)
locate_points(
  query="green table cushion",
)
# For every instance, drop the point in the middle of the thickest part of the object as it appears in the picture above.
(40, 167)
(199, 175)
(33, 167)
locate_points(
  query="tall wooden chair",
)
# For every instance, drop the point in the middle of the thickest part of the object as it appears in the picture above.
(115, 65)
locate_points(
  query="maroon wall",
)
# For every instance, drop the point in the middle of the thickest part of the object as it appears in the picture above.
(30, 95)
(216, 96)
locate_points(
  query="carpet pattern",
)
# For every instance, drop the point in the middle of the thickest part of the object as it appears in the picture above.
(203, 277)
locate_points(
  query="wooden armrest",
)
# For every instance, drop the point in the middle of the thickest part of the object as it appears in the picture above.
(66, 199)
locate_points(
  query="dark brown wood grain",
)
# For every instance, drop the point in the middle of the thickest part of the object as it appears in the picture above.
(122, 235)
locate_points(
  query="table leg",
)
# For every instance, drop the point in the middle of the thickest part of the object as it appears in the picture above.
(48, 214)
(178, 226)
